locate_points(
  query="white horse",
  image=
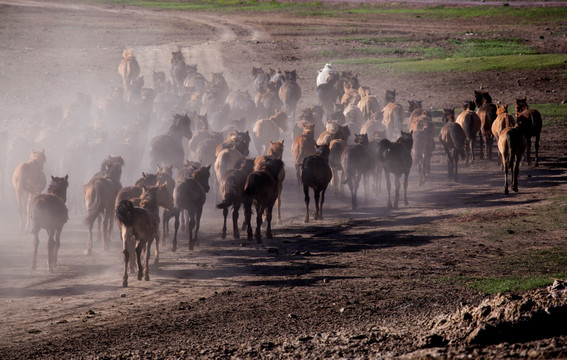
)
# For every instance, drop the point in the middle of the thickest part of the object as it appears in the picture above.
(324, 74)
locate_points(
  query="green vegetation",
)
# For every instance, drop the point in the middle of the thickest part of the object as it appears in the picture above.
(491, 63)
(552, 114)
(320, 9)
(480, 47)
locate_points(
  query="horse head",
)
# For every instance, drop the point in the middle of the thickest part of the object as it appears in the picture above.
(389, 96)
(448, 115)
(58, 187)
(201, 175)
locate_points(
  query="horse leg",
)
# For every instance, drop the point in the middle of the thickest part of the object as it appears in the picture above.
(516, 172)
(225, 214)
(148, 247)
(298, 174)
(247, 218)
(139, 246)
(190, 226)
(176, 227)
(354, 191)
(388, 187)
(406, 175)
(306, 192)
(50, 249)
(316, 196)
(536, 148)
(57, 244)
(259, 213)
(90, 242)
(183, 221)
(489, 143)
(35, 246)
(269, 234)
(322, 201)
(279, 200)
(235, 230)
(125, 234)
(506, 163)
(197, 224)
(106, 232)
(165, 225)
(397, 190)
(156, 238)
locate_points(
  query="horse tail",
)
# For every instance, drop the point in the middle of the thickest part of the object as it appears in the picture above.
(252, 183)
(124, 212)
(458, 141)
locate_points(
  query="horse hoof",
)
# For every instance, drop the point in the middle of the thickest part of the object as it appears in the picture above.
(156, 261)
(125, 283)
(140, 277)
(269, 236)
(515, 189)
(506, 192)
(147, 278)
(88, 252)
(223, 236)
(174, 248)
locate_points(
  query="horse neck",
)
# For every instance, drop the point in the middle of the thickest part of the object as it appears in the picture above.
(61, 193)
(149, 202)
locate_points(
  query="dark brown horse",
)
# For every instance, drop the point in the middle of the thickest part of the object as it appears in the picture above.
(290, 93)
(357, 164)
(139, 224)
(452, 137)
(486, 111)
(316, 174)
(167, 148)
(530, 124)
(396, 158)
(511, 145)
(100, 194)
(232, 190)
(28, 181)
(190, 195)
(48, 211)
(260, 191)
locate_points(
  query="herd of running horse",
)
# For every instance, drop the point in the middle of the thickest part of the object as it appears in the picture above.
(347, 138)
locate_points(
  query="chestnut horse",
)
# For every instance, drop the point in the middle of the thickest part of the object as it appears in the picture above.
(424, 144)
(471, 124)
(290, 93)
(486, 111)
(303, 146)
(530, 124)
(452, 137)
(511, 145)
(28, 180)
(48, 211)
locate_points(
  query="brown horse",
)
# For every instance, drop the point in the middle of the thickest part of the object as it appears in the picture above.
(471, 124)
(48, 211)
(290, 93)
(268, 100)
(530, 124)
(423, 145)
(396, 158)
(486, 111)
(167, 148)
(334, 131)
(142, 225)
(276, 168)
(357, 164)
(303, 146)
(316, 174)
(260, 190)
(452, 137)
(100, 194)
(191, 195)
(238, 140)
(511, 145)
(260, 79)
(178, 70)
(129, 70)
(502, 121)
(28, 180)
(266, 130)
(232, 189)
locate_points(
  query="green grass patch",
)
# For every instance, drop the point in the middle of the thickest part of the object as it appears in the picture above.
(481, 48)
(490, 63)
(552, 114)
(321, 9)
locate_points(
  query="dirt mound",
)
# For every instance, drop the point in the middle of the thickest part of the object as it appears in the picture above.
(511, 318)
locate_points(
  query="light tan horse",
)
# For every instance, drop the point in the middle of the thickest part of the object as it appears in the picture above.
(29, 180)
(511, 145)
(129, 69)
(471, 124)
(393, 115)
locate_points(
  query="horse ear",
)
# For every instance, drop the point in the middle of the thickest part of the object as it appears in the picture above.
(282, 141)
(52, 178)
(66, 177)
(209, 167)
